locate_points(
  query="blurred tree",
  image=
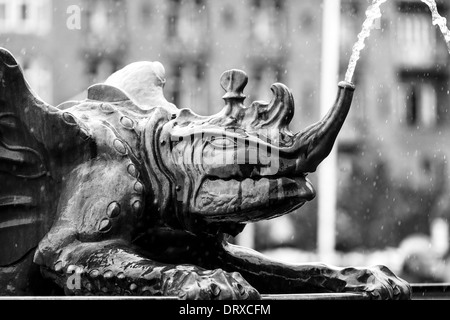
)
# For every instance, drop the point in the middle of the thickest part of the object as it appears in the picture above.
(376, 211)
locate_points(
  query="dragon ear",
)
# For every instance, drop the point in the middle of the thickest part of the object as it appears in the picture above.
(106, 93)
(143, 82)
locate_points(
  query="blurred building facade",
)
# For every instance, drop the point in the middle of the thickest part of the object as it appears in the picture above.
(196, 40)
(400, 113)
(403, 93)
(35, 32)
(400, 125)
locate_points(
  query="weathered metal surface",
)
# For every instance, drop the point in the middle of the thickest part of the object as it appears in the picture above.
(420, 291)
(267, 297)
(124, 194)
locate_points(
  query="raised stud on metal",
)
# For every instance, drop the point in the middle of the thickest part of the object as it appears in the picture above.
(132, 170)
(113, 210)
(105, 225)
(120, 147)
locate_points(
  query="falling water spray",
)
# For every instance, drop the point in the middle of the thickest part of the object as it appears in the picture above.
(372, 14)
(438, 20)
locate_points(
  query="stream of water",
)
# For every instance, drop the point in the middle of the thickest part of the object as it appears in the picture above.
(373, 13)
(438, 20)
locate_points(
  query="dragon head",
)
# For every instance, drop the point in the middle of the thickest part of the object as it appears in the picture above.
(243, 164)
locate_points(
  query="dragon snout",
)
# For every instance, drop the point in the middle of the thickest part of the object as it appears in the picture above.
(271, 120)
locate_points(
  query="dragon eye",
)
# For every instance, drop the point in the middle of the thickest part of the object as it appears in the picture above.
(223, 143)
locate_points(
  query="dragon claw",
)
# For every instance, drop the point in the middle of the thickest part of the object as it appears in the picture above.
(210, 285)
(379, 283)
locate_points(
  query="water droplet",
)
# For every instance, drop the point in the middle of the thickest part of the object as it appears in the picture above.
(133, 287)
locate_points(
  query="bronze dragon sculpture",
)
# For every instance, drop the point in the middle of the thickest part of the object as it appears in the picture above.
(137, 197)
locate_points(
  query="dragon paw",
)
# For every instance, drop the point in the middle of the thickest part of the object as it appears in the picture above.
(191, 283)
(378, 282)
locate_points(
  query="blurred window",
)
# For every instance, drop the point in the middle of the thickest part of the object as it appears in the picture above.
(417, 38)
(2, 13)
(228, 16)
(267, 22)
(24, 11)
(39, 76)
(6, 7)
(189, 87)
(419, 103)
(172, 18)
(99, 19)
(350, 25)
(263, 78)
(186, 20)
(420, 65)
(25, 16)
(146, 14)
(44, 16)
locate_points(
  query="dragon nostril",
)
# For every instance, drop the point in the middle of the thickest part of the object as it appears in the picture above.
(215, 289)
(241, 289)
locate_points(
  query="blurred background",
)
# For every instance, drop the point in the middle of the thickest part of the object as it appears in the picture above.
(389, 187)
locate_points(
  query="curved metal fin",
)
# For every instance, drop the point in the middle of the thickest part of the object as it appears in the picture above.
(37, 143)
(12, 201)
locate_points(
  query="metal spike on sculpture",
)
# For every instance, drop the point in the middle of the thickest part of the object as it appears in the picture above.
(135, 197)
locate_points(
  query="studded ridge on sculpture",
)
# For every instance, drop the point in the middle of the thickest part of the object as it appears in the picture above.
(136, 197)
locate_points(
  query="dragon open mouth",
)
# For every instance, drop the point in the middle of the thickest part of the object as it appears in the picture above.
(252, 199)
